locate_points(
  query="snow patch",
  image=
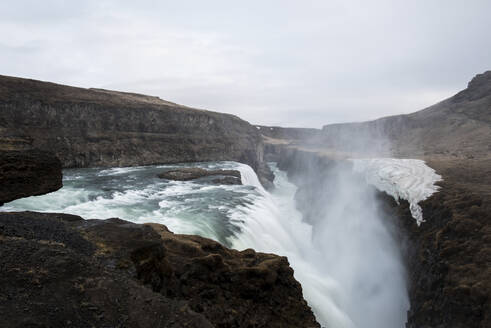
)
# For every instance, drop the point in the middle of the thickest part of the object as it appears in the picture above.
(409, 179)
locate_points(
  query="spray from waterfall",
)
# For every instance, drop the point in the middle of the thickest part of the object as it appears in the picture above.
(342, 253)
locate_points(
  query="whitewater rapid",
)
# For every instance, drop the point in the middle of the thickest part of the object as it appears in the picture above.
(346, 260)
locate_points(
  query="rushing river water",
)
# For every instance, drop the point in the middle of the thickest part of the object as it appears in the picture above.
(347, 262)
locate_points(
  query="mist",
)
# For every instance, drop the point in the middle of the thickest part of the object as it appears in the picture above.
(339, 241)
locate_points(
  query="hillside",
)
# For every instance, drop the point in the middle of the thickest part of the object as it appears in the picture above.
(458, 127)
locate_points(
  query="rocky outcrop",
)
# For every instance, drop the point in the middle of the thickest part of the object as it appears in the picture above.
(59, 270)
(28, 173)
(94, 127)
(448, 257)
(192, 173)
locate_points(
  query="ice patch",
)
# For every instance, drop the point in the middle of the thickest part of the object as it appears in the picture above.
(409, 179)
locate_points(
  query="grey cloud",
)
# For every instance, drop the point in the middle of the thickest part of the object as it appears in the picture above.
(270, 62)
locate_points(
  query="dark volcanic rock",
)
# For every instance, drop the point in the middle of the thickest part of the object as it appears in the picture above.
(28, 173)
(59, 270)
(93, 127)
(191, 173)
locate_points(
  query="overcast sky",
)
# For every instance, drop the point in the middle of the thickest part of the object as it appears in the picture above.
(288, 63)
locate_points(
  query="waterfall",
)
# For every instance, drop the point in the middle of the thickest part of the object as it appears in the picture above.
(249, 177)
(346, 259)
(340, 246)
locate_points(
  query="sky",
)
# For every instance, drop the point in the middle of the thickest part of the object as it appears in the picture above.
(283, 63)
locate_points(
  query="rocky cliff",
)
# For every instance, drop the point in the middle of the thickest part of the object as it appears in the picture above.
(93, 127)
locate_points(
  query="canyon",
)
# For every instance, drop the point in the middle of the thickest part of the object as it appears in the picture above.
(197, 282)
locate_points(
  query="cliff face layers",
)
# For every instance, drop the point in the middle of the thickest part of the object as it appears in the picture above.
(90, 127)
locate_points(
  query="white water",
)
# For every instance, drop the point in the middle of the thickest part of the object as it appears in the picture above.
(409, 179)
(346, 259)
(347, 262)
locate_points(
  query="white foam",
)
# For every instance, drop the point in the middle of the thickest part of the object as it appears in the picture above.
(120, 170)
(347, 263)
(409, 179)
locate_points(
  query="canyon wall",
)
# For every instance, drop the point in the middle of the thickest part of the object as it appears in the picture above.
(94, 127)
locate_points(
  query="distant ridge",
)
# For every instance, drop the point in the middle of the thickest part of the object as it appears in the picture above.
(459, 126)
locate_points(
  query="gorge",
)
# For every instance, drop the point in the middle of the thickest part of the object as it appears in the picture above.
(360, 257)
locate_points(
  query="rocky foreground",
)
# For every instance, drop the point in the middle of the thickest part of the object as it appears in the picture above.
(59, 270)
